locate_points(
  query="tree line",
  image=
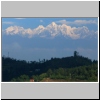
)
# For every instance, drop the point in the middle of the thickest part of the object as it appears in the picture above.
(73, 68)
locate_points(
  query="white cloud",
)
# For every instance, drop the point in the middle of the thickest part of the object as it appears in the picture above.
(69, 31)
(77, 22)
(8, 23)
(14, 30)
(61, 22)
(41, 21)
(52, 30)
(19, 18)
(85, 22)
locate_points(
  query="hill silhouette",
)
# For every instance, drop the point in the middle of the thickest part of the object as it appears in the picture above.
(13, 69)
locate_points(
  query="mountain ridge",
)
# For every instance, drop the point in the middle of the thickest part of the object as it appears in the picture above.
(53, 30)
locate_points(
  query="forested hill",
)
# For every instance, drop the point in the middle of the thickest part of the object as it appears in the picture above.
(12, 68)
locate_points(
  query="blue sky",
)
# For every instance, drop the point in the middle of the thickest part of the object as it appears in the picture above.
(42, 38)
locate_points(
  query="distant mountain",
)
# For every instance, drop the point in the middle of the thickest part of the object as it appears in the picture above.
(53, 30)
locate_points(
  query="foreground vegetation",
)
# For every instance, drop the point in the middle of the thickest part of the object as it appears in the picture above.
(82, 73)
(69, 69)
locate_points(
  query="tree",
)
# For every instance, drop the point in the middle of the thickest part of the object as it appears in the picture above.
(49, 72)
(75, 53)
(23, 78)
(13, 80)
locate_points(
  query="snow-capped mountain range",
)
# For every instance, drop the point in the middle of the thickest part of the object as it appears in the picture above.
(52, 30)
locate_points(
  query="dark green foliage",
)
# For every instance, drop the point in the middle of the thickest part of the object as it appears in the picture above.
(72, 68)
(22, 78)
(86, 73)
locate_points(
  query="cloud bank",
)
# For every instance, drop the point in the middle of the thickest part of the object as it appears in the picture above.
(77, 22)
(8, 23)
(19, 18)
(53, 30)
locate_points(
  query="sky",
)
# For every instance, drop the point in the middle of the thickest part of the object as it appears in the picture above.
(34, 39)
